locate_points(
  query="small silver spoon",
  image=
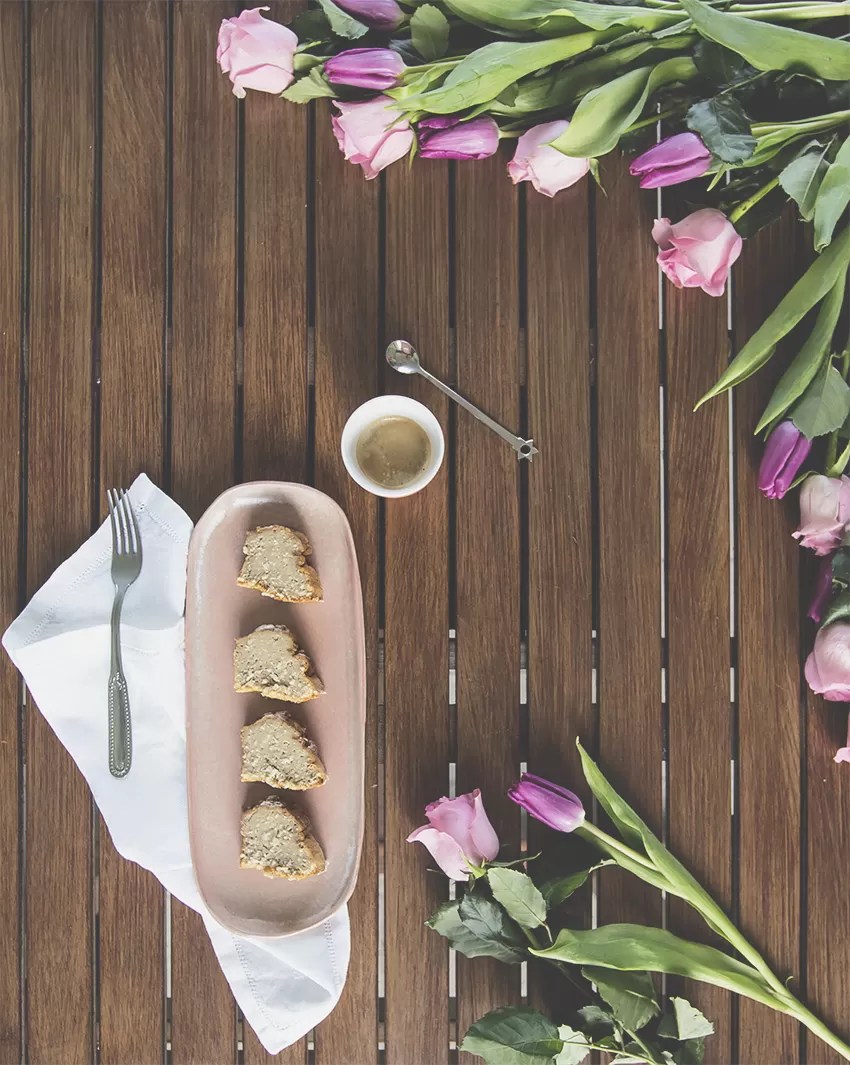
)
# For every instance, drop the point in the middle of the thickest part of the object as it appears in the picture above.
(402, 356)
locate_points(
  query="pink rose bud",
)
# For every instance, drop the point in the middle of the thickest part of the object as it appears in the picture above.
(823, 590)
(824, 513)
(256, 52)
(843, 753)
(674, 160)
(699, 251)
(379, 14)
(828, 666)
(557, 807)
(547, 169)
(372, 134)
(365, 68)
(784, 453)
(458, 834)
(446, 137)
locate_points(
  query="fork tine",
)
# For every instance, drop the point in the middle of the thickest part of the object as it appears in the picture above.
(113, 521)
(137, 536)
(119, 510)
(129, 522)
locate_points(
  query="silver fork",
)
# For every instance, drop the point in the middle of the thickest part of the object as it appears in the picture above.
(126, 566)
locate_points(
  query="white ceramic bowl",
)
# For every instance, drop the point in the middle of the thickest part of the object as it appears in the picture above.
(387, 407)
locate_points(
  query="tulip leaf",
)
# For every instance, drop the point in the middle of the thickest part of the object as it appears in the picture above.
(802, 179)
(627, 947)
(556, 16)
(342, 24)
(724, 128)
(607, 111)
(513, 1035)
(825, 404)
(310, 87)
(833, 196)
(838, 610)
(770, 47)
(631, 995)
(721, 66)
(808, 291)
(429, 31)
(478, 928)
(809, 359)
(518, 895)
(681, 1020)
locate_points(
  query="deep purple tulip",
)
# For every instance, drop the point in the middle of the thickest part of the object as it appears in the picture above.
(823, 589)
(365, 68)
(447, 137)
(784, 453)
(379, 14)
(674, 160)
(555, 806)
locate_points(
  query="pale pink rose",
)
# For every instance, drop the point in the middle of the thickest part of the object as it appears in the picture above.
(699, 251)
(458, 834)
(372, 134)
(824, 513)
(547, 169)
(828, 666)
(843, 753)
(256, 52)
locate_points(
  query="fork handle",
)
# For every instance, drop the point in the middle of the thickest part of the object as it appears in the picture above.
(120, 737)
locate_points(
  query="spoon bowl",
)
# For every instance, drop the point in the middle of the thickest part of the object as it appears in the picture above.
(402, 356)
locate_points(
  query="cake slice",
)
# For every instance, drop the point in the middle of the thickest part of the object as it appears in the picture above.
(268, 661)
(276, 751)
(278, 841)
(275, 564)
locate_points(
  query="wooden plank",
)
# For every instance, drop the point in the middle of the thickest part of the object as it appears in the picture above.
(630, 720)
(347, 334)
(698, 556)
(11, 223)
(768, 671)
(488, 541)
(416, 629)
(133, 305)
(203, 382)
(59, 911)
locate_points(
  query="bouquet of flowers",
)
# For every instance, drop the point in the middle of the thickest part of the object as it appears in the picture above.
(752, 98)
(517, 914)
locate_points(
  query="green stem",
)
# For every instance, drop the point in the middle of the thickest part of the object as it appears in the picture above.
(653, 119)
(760, 194)
(805, 1016)
(619, 848)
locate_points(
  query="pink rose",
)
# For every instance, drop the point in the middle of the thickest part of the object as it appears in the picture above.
(458, 834)
(547, 169)
(828, 666)
(256, 52)
(824, 513)
(372, 134)
(843, 753)
(698, 252)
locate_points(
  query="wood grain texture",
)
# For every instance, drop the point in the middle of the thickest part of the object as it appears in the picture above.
(58, 809)
(630, 741)
(11, 221)
(203, 384)
(768, 671)
(347, 339)
(416, 629)
(132, 314)
(488, 543)
(698, 612)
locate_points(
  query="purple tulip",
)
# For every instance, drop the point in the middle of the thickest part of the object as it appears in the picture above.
(555, 806)
(447, 137)
(676, 159)
(784, 453)
(823, 589)
(365, 68)
(379, 14)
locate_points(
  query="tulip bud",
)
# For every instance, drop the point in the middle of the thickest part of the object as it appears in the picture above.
(784, 453)
(555, 806)
(365, 68)
(379, 14)
(446, 137)
(674, 160)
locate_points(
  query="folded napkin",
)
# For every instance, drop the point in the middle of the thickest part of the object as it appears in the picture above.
(60, 643)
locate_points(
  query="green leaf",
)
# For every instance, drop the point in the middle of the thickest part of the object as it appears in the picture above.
(513, 1035)
(429, 31)
(841, 567)
(689, 1052)
(489, 934)
(681, 1020)
(597, 1022)
(808, 291)
(809, 359)
(770, 47)
(628, 947)
(575, 1048)
(310, 87)
(606, 112)
(515, 891)
(838, 609)
(303, 62)
(825, 405)
(556, 16)
(630, 995)
(802, 179)
(833, 197)
(560, 888)
(724, 128)
(311, 25)
(342, 24)
(720, 65)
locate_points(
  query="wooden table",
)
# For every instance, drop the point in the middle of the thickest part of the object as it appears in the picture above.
(203, 290)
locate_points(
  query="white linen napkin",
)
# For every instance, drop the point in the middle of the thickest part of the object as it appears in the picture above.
(60, 643)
